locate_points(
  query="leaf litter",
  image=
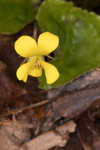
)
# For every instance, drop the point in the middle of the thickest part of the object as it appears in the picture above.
(29, 114)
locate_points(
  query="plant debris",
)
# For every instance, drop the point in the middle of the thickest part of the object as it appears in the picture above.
(30, 117)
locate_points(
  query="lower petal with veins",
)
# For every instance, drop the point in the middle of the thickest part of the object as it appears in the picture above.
(51, 72)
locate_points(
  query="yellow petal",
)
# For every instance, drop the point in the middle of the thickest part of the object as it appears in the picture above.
(47, 42)
(36, 72)
(51, 72)
(26, 46)
(22, 72)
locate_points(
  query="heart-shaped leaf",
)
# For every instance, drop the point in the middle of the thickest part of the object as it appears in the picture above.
(15, 14)
(79, 33)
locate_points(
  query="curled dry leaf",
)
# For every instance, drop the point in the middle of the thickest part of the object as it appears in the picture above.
(50, 139)
(73, 104)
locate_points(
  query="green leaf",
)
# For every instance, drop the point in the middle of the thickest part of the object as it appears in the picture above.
(15, 14)
(79, 33)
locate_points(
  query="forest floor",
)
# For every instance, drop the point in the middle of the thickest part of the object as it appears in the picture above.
(64, 118)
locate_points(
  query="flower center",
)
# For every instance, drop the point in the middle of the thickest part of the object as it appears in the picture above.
(35, 61)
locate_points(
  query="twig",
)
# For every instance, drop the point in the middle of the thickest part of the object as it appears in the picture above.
(50, 57)
(35, 30)
(44, 102)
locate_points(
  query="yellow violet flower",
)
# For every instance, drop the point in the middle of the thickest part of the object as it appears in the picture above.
(27, 47)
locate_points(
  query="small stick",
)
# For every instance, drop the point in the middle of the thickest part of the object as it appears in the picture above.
(44, 102)
(35, 31)
(50, 57)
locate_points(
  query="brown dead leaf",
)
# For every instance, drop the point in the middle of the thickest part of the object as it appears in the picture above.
(59, 137)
